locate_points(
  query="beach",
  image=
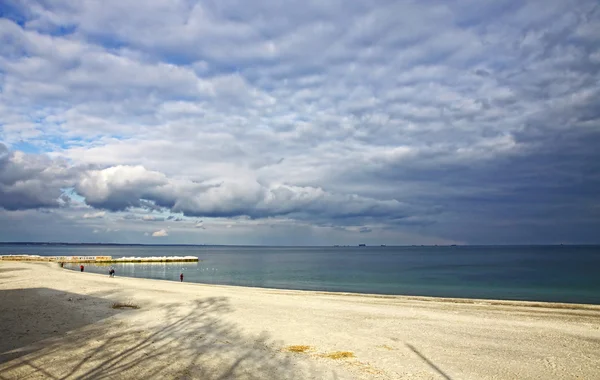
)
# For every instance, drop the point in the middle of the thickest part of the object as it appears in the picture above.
(62, 324)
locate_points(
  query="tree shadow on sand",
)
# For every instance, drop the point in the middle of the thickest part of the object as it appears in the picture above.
(36, 314)
(175, 341)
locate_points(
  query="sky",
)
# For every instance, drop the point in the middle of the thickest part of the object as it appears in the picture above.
(300, 122)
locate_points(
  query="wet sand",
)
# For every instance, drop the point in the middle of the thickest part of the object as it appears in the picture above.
(61, 324)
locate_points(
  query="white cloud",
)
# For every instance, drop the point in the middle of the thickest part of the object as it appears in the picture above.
(94, 215)
(160, 233)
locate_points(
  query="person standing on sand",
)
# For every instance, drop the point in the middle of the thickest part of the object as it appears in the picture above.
(181, 277)
(81, 267)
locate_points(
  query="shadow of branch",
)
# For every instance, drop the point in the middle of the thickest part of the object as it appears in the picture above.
(429, 362)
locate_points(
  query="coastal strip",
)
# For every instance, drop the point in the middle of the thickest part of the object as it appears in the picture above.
(99, 259)
(67, 324)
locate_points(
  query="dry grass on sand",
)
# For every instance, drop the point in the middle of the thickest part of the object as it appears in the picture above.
(339, 355)
(124, 305)
(298, 349)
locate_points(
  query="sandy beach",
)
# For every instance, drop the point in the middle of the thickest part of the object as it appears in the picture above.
(60, 324)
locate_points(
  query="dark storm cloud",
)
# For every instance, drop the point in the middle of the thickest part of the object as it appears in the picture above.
(33, 181)
(28, 181)
(123, 187)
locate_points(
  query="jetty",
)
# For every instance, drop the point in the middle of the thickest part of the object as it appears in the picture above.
(99, 259)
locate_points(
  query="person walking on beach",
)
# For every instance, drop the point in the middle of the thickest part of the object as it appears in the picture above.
(111, 272)
(181, 277)
(81, 267)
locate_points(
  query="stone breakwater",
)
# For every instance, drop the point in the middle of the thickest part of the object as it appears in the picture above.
(98, 259)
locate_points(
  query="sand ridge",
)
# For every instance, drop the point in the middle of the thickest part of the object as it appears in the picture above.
(60, 324)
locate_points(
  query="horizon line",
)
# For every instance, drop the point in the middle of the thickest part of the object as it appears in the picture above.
(276, 245)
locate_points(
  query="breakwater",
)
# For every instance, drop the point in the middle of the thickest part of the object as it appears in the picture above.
(99, 259)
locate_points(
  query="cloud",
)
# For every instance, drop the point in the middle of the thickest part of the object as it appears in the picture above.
(160, 233)
(151, 218)
(31, 181)
(449, 121)
(94, 215)
(119, 187)
(122, 187)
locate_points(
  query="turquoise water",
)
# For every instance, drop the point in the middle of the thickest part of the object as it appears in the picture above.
(538, 273)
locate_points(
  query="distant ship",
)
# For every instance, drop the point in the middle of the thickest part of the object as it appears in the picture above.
(362, 245)
(383, 245)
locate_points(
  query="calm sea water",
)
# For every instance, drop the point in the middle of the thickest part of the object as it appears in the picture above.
(540, 273)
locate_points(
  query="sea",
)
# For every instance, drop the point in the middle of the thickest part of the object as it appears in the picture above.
(536, 273)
